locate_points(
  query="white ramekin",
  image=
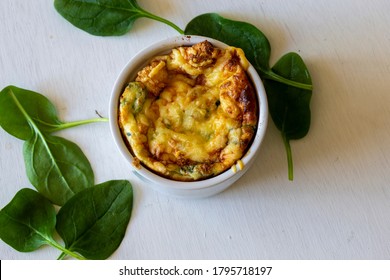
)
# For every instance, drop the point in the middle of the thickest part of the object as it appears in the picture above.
(195, 189)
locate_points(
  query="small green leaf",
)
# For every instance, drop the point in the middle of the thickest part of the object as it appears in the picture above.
(28, 221)
(21, 108)
(105, 17)
(289, 106)
(94, 221)
(24, 111)
(56, 167)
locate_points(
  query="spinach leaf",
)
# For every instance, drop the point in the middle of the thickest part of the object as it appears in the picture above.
(23, 111)
(56, 167)
(105, 17)
(20, 108)
(28, 221)
(245, 36)
(290, 106)
(94, 221)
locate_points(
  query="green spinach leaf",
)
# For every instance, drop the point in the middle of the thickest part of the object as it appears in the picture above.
(56, 167)
(289, 106)
(94, 221)
(105, 17)
(28, 221)
(23, 111)
(245, 36)
(20, 108)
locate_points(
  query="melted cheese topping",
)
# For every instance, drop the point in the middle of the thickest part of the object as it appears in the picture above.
(190, 114)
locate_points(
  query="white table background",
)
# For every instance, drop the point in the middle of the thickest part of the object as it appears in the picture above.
(337, 207)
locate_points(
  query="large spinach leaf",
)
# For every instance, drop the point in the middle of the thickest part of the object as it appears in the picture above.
(28, 221)
(105, 17)
(56, 167)
(94, 221)
(23, 111)
(290, 106)
(245, 36)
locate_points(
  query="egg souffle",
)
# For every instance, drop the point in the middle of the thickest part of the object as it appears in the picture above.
(190, 114)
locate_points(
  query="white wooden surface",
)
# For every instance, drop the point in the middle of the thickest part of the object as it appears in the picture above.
(338, 206)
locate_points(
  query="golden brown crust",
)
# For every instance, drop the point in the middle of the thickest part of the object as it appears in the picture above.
(199, 114)
(201, 55)
(154, 76)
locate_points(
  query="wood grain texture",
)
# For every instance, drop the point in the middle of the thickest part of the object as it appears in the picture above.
(337, 207)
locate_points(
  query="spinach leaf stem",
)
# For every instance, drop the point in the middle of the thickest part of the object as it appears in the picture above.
(275, 77)
(289, 157)
(77, 123)
(64, 251)
(50, 241)
(147, 14)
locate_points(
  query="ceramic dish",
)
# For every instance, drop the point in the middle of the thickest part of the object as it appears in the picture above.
(193, 189)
